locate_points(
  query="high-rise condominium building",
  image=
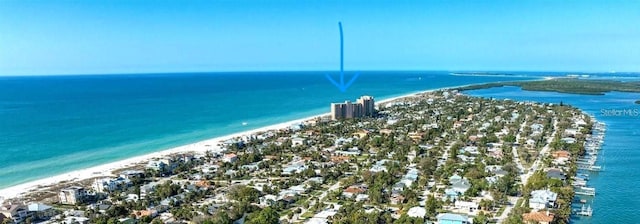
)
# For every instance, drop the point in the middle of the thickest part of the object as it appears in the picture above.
(364, 107)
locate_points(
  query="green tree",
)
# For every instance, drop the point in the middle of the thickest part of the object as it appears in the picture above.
(244, 194)
(266, 216)
(220, 217)
(481, 218)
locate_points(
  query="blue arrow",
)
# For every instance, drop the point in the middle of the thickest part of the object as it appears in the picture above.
(342, 86)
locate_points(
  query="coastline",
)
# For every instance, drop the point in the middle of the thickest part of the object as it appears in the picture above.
(103, 170)
(107, 169)
(618, 144)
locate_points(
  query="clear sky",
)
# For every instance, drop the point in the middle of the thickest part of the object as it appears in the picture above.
(138, 36)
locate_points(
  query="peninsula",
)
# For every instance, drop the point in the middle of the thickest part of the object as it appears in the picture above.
(567, 85)
(434, 156)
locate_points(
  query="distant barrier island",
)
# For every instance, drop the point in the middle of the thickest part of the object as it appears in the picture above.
(567, 85)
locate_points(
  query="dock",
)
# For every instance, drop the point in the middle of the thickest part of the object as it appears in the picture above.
(589, 167)
(584, 211)
(588, 191)
(585, 165)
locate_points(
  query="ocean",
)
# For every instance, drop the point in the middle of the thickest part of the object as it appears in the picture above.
(55, 124)
(616, 199)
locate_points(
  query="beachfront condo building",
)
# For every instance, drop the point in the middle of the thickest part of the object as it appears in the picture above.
(72, 195)
(363, 107)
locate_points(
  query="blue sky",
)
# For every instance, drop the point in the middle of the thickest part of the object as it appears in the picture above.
(98, 37)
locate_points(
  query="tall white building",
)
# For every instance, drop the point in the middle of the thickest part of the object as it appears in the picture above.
(72, 195)
(364, 107)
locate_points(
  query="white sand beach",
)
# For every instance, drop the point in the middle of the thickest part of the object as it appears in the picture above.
(202, 146)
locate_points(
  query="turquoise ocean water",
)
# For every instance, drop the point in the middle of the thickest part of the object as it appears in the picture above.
(616, 200)
(55, 124)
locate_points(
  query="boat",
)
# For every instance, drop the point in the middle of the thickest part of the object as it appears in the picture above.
(244, 123)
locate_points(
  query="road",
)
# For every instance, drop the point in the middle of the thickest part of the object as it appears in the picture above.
(312, 203)
(526, 174)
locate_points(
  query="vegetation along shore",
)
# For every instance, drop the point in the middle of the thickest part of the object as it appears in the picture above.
(566, 85)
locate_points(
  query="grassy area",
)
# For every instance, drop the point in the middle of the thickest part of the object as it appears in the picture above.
(501, 210)
(307, 215)
(567, 85)
(519, 202)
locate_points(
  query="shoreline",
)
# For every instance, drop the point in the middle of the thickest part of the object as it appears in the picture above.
(103, 170)
(106, 169)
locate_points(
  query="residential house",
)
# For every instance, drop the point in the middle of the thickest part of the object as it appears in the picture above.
(318, 180)
(341, 141)
(353, 190)
(537, 129)
(230, 158)
(457, 124)
(561, 157)
(323, 216)
(128, 174)
(75, 220)
(15, 212)
(561, 154)
(163, 165)
(41, 211)
(268, 200)
(450, 194)
(299, 189)
(354, 151)
(417, 212)
(416, 136)
(297, 141)
(571, 132)
(340, 159)
(361, 133)
(143, 213)
(362, 197)
(455, 178)
(379, 166)
(251, 167)
(132, 197)
(538, 217)
(467, 206)
(459, 184)
(398, 187)
(296, 167)
(72, 195)
(396, 199)
(541, 199)
(109, 184)
(450, 218)
(496, 170)
(557, 174)
(530, 143)
(203, 184)
(410, 177)
(148, 188)
(568, 140)
(473, 150)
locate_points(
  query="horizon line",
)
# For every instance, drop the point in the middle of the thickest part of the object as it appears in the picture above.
(329, 70)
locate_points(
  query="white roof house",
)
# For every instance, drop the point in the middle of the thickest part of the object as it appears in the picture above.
(298, 141)
(467, 205)
(417, 212)
(542, 199)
